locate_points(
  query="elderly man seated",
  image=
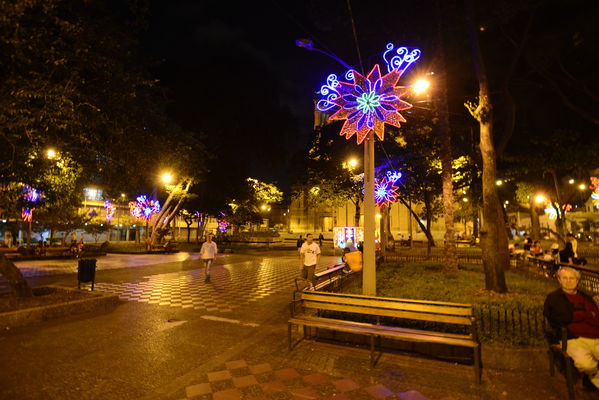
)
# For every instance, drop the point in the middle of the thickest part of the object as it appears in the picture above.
(576, 310)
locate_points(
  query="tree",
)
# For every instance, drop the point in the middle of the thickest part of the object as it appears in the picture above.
(72, 79)
(492, 231)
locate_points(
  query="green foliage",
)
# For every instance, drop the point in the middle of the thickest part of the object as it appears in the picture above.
(72, 80)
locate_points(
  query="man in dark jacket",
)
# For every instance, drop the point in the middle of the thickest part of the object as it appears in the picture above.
(577, 311)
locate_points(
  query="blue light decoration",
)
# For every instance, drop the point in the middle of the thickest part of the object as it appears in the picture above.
(385, 192)
(403, 58)
(30, 196)
(144, 207)
(368, 103)
(393, 176)
(222, 222)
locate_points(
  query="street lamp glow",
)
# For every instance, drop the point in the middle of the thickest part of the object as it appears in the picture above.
(540, 199)
(352, 163)
(499, 182)
(571, 181)
(167, 177)
(50, 153)
(421, 86)
(582, 186)
(465, 199)
(123, 195)
(263, 207)
(379, 216)
(507, 202)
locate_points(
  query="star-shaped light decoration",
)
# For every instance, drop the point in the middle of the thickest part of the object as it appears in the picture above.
(385, 192)
(369, 103)
(144, 207)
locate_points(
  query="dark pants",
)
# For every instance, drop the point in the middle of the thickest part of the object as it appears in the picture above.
(308, 273)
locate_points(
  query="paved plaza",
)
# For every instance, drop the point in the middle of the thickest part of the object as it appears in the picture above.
(176, 337)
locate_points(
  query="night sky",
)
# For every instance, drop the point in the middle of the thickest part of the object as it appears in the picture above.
(233, 73)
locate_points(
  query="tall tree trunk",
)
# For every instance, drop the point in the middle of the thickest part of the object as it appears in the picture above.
(534, 220)
(494, 263)
(450, 255)
(14, 277)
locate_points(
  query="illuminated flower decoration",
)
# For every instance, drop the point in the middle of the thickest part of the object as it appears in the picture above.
(369, 103)
(110, 209)
(30, 196)
(550, 211)
(27, 214)
(223, 224)
(385, 192)
(144, 208)
(595, 194)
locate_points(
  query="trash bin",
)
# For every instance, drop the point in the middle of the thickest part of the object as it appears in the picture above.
(86, 271)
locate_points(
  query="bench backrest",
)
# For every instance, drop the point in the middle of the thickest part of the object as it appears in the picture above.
(433, 311)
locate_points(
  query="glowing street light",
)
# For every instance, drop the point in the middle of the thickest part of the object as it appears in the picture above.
(465, 199)
(353, 163)
(167, 178)
(499, 182)
(50, 154)
(582, 186)
(421, 86)
(539, 199)
(571, 181)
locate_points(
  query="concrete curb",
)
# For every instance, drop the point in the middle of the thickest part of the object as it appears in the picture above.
(96, 303)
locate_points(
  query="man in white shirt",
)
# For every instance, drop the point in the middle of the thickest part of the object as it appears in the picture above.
(207, 253)
(309, 258)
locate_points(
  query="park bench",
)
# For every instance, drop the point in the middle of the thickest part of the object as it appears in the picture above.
(557, 350)
(324, 279)
(348, 313)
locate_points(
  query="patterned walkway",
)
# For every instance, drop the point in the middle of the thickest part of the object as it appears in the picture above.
(239, 380)
(232, 285)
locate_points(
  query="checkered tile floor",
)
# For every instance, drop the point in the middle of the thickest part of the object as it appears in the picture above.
(231, 286)
(241, 380)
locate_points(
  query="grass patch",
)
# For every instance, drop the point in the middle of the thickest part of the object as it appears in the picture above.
(514, 317)
(427, 281)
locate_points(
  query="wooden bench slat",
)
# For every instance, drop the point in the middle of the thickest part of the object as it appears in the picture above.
(410, 335)
(448, 319)
(386, 328)
(399, 305)
(389, 299)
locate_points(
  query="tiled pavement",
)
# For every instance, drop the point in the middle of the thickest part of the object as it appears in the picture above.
(239, 379)
(231, 286)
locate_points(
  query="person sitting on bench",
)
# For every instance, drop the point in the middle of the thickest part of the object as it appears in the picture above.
(576, 310)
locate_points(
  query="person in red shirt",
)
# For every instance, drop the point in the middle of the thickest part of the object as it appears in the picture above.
(578, 311)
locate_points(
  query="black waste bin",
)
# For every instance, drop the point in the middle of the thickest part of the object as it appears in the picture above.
(86, 271)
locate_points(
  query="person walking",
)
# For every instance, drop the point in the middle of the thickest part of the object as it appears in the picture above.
(208, 253)
(299, 243)
(309, 258)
